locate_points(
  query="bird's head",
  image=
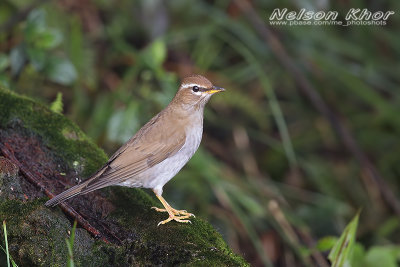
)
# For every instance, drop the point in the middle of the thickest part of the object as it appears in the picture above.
(195, 91)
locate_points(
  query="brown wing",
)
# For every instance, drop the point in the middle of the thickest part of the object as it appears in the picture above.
(147, 148)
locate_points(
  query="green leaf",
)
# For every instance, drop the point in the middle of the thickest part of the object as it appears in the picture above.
(341, 252)
(382, 256)
(37, 57)
(155, 54)
(37, 17)
(48, 39)
(70, 246)
(6, 241)
(358, 256)
(17, 59)
(61, 71)
(9, 258)
(4, 62)
(35, 24)
(57, 105)
(123, 123)
(38, 35)
(326, 243)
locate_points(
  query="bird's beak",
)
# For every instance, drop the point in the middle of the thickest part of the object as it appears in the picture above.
(215, 89)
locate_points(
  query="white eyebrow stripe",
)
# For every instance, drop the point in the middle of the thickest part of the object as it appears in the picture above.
(187, 85)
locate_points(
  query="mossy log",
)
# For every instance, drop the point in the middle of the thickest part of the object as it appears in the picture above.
(57, 154)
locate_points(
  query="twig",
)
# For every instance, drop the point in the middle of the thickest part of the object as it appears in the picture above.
(307, 89)
(8, 152)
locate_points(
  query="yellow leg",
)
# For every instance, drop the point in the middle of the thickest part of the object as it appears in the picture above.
(176, 215)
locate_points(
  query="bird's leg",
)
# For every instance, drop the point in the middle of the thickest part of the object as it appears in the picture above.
(176, 215)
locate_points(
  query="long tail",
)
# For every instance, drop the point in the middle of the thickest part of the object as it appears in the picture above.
(73, 191)
(76, 190)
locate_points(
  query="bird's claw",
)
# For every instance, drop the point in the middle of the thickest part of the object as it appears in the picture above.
(175, 215)
(180, 213)
(158, 209)
(175, 218)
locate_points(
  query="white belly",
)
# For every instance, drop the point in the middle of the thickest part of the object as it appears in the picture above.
(157, 176)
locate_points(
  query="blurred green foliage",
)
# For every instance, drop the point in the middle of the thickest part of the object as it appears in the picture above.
(118, 63)
(345, 251)
(36, 47)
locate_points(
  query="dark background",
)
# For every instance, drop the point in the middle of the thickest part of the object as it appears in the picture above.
(305, 136)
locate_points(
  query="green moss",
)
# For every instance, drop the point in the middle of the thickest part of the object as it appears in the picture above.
(32, 231)
(37, 233)
(176, 243)
(37, 236)
(59, 133)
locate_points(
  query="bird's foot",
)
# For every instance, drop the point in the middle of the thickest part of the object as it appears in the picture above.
(175, 215)
(180, 213)
(180, 219)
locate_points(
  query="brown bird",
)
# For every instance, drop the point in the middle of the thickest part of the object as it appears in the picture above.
(158, 151)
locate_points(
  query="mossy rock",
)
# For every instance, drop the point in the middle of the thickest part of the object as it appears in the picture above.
(55, 151)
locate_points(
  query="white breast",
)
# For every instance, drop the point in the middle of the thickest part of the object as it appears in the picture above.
(157, 176)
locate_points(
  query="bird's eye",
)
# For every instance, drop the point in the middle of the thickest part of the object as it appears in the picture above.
(195, 88)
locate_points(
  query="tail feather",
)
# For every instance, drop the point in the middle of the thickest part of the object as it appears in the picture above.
(79, 189)
(73, 191)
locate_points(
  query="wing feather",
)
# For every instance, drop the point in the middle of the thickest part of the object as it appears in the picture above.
(147, 148)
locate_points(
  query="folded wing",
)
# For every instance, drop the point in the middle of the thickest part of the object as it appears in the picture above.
(146, 149)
